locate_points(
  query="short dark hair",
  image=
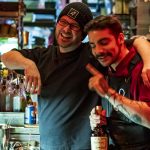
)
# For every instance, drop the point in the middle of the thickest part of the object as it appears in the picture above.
(102, 22)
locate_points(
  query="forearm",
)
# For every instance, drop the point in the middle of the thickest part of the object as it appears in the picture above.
(136, 111)
(143, 48)
(15, 60)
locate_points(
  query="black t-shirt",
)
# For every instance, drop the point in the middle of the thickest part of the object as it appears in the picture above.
(65, 102)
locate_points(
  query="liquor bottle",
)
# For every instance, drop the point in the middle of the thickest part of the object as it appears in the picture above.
(22, 93)
(10, 88)
(29, 99)
(2, 94)
(16, 99)
(19, 101)
(99, 138)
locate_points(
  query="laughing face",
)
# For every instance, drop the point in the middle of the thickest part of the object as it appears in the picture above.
(105, 47)
(68, 33)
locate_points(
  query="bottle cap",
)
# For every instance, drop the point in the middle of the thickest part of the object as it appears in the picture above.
(98, 110)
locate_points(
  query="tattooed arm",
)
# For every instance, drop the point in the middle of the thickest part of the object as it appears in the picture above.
(137, 111)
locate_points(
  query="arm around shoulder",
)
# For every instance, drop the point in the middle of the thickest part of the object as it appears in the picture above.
(143, 48)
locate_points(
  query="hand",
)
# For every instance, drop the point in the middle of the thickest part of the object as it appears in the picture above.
(146, 76)
(97, 82)
(97, 118)
(32, 79)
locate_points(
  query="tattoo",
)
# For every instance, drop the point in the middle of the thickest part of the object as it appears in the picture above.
(120, 106)
(122, 109)
(126, 106)
(136, 119)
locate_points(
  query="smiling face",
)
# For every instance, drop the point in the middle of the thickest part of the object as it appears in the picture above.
(105, 46)
(68, 33)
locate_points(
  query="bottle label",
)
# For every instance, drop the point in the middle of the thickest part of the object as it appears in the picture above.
(99, 143)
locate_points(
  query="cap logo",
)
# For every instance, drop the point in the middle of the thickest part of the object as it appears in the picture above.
(73, 13)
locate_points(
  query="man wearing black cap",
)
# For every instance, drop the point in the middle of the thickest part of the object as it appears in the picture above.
(79, 13)
(59, 76)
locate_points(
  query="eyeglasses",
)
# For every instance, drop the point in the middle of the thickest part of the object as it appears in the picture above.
(72, 26)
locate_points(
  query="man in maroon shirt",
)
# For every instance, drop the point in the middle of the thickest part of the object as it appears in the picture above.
(125, 97)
